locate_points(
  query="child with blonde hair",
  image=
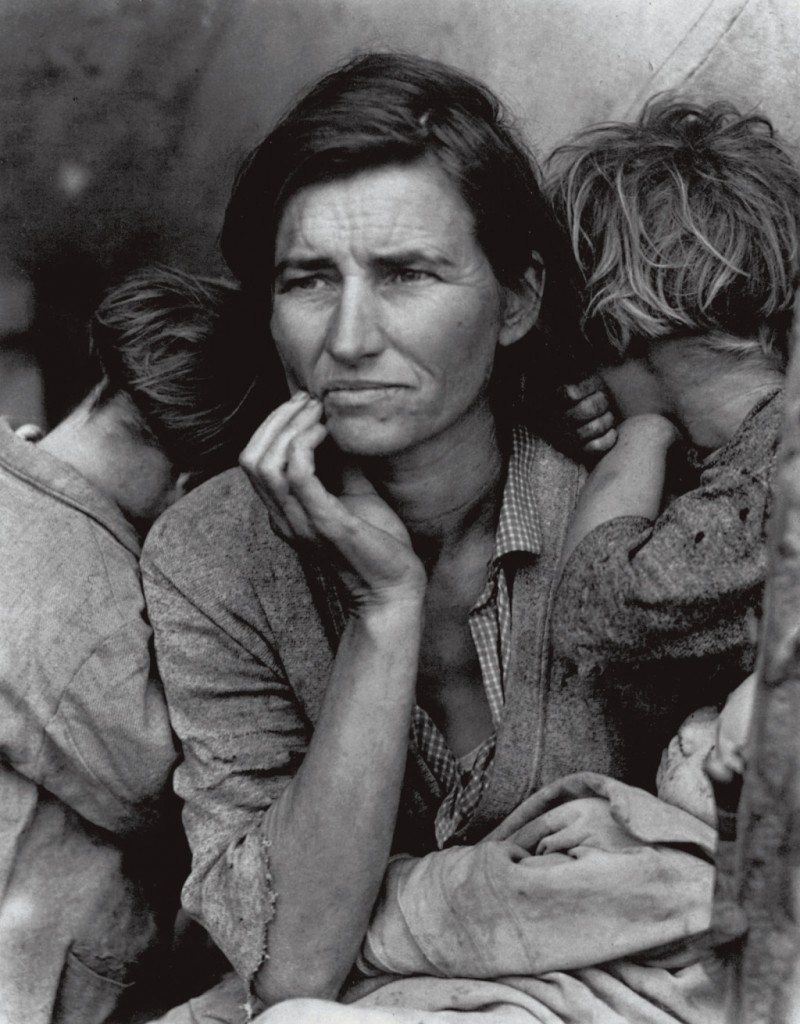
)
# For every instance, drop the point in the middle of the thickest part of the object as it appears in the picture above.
(685, 227)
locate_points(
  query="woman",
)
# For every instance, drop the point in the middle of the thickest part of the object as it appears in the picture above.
(388, 567)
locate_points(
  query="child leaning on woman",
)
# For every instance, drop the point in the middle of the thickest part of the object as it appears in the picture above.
(686, 229)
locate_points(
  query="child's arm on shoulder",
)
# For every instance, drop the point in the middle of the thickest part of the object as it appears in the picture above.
(628, 480)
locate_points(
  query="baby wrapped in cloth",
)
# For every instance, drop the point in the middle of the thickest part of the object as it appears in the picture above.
(590, 903)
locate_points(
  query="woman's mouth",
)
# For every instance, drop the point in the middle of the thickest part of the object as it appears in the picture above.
(359, 393)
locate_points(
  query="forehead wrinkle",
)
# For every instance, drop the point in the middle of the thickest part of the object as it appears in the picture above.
(366, 219)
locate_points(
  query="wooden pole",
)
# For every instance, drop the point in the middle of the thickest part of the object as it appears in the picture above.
(763, 985)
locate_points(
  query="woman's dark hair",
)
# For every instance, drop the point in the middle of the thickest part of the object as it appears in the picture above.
(185, 355)
(389, 108)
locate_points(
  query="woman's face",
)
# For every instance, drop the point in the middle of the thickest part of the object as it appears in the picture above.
(386, 308)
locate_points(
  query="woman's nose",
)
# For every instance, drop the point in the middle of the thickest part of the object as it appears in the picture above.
(354, 330)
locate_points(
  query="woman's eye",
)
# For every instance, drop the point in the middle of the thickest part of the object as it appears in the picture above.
(306, 283)
(408, 275)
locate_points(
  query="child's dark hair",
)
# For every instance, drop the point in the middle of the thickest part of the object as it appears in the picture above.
(684, 222)
(185, 355)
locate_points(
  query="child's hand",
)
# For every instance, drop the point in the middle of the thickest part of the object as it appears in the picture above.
(728, 757)
(586, 821)
(587, 421)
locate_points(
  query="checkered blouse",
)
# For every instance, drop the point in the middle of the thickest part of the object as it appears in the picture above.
(518, 531)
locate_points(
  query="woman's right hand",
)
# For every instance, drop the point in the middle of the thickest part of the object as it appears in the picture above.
(359, 533)
(331, 828)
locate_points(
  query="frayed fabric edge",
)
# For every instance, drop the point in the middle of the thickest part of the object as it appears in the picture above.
(254, 1005)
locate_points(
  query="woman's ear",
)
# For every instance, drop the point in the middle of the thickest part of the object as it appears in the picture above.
(523, 303)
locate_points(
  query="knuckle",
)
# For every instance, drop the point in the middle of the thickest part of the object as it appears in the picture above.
(596, 428)
(604, 443)
(265, 475)
(293, 449)
(248, 460)
(588, 431)
(579, 389)
(606, 421)
(594, 405)
(298, 467)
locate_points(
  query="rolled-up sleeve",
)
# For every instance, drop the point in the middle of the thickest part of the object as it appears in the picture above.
(682, 586)
(243, 736)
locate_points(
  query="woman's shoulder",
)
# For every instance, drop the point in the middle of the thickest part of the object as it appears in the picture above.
(223, 498)
(221, 522)
(555, 478)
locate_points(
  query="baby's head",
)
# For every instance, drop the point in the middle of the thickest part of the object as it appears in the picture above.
(681, 779)
(685, 223)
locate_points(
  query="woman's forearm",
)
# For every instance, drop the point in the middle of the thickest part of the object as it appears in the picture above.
(628, 481)
(331, 830)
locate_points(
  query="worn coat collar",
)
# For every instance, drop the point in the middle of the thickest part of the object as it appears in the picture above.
(37, 467)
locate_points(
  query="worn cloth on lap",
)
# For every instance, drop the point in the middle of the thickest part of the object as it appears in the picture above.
(501, 908)
(510, 960)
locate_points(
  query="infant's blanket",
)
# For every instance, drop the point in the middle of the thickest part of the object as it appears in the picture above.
(589, 904)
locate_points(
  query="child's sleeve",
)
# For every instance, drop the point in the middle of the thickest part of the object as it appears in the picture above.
(682, 586)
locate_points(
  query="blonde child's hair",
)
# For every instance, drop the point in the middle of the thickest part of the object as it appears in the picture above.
(684, 222)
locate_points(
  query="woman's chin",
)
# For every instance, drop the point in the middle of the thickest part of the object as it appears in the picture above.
(365, 439)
